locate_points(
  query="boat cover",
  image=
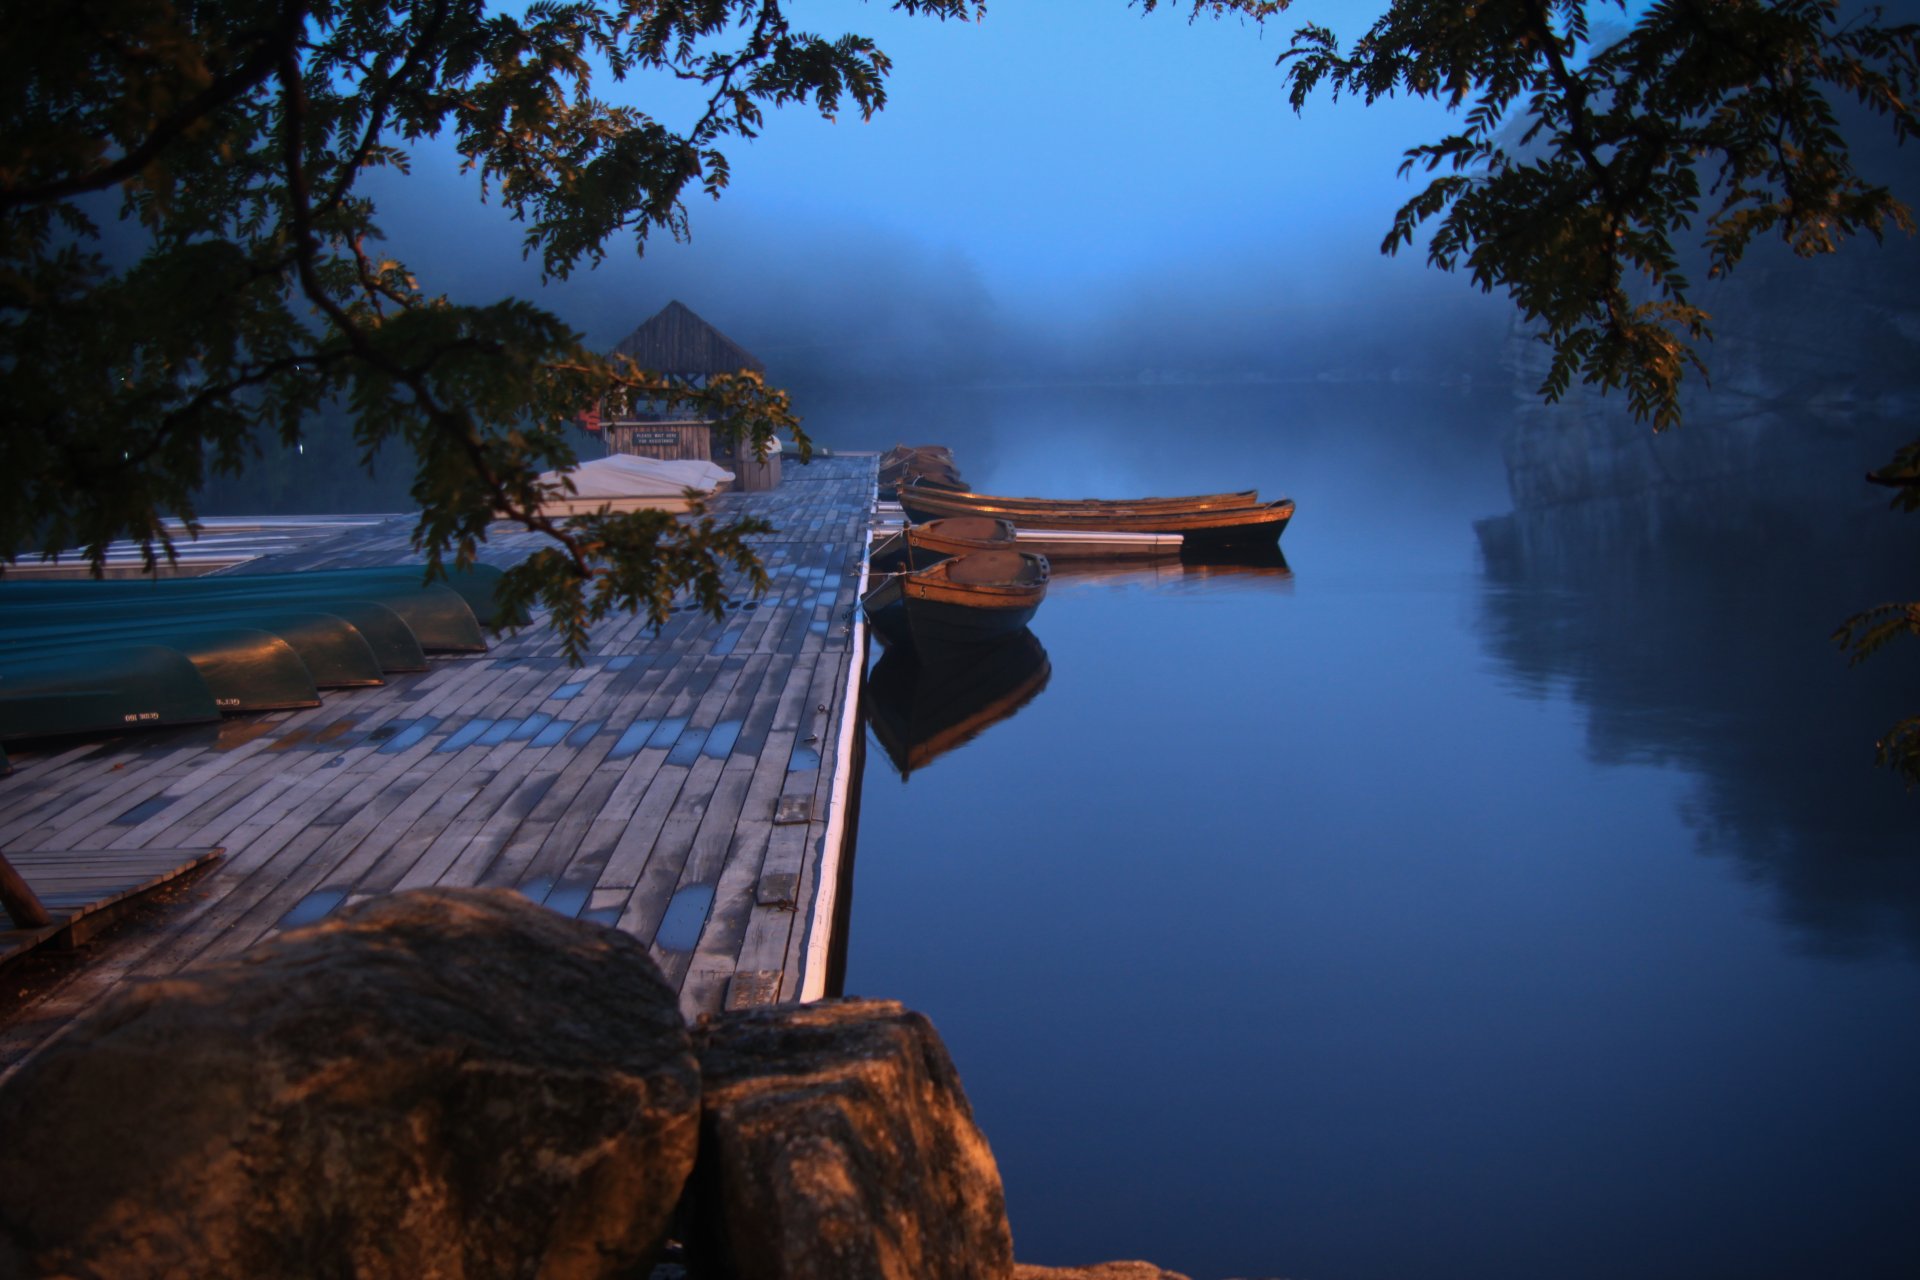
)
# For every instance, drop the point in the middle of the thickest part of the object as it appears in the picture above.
(622, 476)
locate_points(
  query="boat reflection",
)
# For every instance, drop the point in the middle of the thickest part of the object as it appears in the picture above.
(920, 708)
(1178, 573)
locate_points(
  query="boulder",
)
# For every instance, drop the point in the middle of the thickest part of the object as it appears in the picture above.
(445, 1083)
(836, 1144)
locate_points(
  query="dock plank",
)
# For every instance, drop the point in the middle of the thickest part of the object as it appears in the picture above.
(639, 790)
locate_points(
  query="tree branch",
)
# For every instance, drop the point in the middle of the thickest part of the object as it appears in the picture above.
(276, 45)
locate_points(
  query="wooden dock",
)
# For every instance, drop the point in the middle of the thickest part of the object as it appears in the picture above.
(690, 786)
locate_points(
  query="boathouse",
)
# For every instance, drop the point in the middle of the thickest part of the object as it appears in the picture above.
(677, 342)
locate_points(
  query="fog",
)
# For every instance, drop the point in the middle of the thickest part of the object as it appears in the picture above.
(1068, 191)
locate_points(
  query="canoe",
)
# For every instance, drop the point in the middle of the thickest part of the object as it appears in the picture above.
(919, 710)
(437, 615)
(965, 600)
(244, 668)
(968, 503)
(477, 584)
(336, 654)
(922, 546)
(390, 641)
(113, 687)
(1203, 530)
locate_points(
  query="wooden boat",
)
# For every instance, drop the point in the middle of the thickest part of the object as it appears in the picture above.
(100, 690)
(919, 710)
(1073, 547)
(436, 615)
(930, 466)
(1203, 529)
(987, 504)
(970, 599)
(334, 652)
(245, 669)
(921, 546)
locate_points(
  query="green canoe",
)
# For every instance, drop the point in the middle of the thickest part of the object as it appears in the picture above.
(244, 668)
(476, 584)
(103, 690)
(438, 617)
(336, 654)
(391, 641)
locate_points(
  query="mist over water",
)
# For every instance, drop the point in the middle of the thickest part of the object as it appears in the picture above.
(1417, 912)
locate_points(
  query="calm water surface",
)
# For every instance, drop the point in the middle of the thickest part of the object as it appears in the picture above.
(1403, 915)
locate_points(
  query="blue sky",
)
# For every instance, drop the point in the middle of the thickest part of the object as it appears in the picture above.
(1052, 141)
(1060, 164)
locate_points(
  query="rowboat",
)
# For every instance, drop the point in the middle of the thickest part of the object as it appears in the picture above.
(245, 669)
(928, 465)
(921, 546)
(1204, 529)
(969, 599)
(336, 655)
(109, 688)
(436, 615)
(1010, 508)
(920, 710)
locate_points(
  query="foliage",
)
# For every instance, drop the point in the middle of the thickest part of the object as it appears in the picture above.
(1580, 161)
(232, 138)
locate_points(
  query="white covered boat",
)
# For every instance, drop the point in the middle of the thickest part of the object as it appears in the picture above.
(623, 482)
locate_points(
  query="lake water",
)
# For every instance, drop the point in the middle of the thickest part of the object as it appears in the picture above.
(1406, 915)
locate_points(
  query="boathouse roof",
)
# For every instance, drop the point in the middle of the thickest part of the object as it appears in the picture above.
(676, 341)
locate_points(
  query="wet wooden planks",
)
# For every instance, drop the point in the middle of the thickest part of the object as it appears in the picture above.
(677, 785)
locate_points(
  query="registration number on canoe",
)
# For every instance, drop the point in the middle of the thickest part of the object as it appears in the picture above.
(136, 717)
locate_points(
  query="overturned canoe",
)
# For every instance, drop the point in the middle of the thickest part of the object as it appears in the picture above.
(102, 690)
(436, 615)
(965, 600)
(245, 669)
(336, 655)
(477, 584)
(1201, 529)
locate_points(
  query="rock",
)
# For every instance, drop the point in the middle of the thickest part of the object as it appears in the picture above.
(435, 1084)
(836, 1144)
(1102, 1271)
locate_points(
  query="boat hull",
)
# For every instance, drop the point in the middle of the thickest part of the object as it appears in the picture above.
(336, 655)
(103, 690)
(922, 546)
(1201, 531)
(959, 603)
(967, 502)
(245, 669)
(477, 584)
(438, 617)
